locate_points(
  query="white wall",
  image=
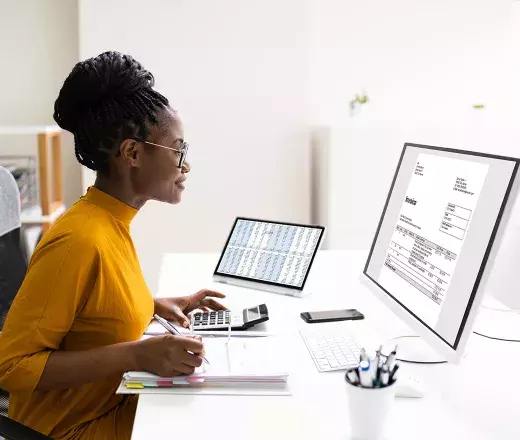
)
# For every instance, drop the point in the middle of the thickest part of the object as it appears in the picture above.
(423, 65)
(515, 54)
(417, 60)
(39, 47)
(235, 70)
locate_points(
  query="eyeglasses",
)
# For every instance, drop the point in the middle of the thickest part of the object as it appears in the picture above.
(183, 151)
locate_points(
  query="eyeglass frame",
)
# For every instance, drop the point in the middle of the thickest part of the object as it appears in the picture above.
(183, 150)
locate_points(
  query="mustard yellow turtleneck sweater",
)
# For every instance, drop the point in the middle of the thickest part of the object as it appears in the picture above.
(84, 289)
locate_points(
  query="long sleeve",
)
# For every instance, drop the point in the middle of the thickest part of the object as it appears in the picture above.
(84, 289)
(59, 280)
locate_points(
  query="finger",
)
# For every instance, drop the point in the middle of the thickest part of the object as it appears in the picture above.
(173, 373)
(192, 360)
(184, 368)
(213, 293)
(197, 337)
(191, 344)
(214, 305)
(180, 317)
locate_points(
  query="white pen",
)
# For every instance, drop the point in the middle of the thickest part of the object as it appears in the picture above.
(365, 377)
(390, 361)
(378, 355)
(171, 329)
(373, 369)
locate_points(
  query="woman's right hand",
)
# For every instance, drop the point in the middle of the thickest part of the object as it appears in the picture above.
(169, 355)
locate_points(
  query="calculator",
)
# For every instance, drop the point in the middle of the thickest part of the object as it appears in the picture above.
(223, 319)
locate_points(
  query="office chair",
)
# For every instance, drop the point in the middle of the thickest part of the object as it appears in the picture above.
(13, 266)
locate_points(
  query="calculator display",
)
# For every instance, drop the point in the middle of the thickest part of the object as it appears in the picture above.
(253, 314)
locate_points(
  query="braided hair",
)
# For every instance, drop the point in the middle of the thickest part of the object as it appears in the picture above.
(103, 101)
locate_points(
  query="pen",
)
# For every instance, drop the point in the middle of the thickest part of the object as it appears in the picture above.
(384, 375)
(365, 378)
(171, 329)
(352, 376)
(373, 370)
(374, 366)
(390, 361)
(392, 374)
(363, 355)
(378, 355)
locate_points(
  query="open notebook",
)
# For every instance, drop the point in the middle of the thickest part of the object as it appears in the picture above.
(237, 365)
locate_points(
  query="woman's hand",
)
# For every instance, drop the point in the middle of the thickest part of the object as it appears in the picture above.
(169, 355)
(176, 309)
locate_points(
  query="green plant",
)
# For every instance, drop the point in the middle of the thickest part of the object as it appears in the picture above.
(358, 100)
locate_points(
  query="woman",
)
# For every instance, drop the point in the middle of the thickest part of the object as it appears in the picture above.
(76, 323)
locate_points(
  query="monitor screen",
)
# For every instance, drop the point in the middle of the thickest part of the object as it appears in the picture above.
(436, 232)
(270, 252)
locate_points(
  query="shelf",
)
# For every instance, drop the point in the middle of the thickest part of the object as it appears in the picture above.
(8, 130)
(33, 216)
(49, 172)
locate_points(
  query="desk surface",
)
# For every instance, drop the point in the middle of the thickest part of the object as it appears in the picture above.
(454, 406)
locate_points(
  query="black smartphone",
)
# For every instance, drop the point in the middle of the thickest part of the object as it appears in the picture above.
(331, 315)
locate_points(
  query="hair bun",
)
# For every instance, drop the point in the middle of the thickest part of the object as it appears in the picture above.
(109, 76)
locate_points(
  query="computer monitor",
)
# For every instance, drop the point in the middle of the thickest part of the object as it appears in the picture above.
(268, 255)
(439, 231)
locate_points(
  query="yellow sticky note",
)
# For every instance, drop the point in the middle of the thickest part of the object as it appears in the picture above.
(134, 385)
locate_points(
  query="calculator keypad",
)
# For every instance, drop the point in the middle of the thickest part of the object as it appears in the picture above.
(215, 318)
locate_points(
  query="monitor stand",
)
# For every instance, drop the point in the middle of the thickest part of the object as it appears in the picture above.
(413, 349)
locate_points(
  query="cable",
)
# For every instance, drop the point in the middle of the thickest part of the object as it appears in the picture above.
(408, 361)
(497, 339)
(496, 309)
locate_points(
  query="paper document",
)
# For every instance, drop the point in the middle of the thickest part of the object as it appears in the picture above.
(237, 361)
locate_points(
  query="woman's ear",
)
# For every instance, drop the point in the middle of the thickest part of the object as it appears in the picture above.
(131, 152)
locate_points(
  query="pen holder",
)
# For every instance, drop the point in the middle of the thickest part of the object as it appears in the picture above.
(369, 408)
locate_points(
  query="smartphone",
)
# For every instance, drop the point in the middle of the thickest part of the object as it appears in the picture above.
(331, 315)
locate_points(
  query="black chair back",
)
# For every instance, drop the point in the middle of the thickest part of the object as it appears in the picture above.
(12, 270)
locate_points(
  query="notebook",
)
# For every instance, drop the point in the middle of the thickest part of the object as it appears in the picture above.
(237, 366)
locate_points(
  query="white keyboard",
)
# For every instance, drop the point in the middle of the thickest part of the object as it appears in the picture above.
(331, 352)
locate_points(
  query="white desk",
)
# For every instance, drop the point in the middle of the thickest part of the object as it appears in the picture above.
(457, 404)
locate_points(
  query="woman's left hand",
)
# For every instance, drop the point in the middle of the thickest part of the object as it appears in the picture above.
(176, 309)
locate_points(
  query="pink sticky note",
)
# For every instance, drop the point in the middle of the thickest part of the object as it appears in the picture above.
(194, 379)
